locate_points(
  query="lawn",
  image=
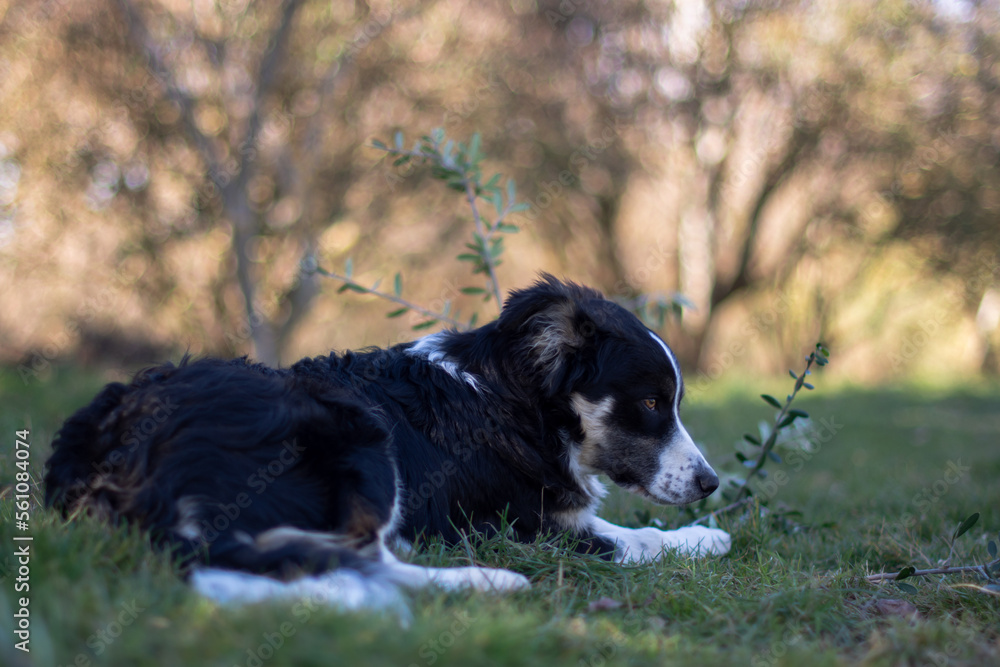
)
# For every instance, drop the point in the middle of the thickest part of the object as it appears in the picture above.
(884, 486)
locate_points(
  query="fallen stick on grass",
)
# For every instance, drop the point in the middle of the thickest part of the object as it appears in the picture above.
(978, 569)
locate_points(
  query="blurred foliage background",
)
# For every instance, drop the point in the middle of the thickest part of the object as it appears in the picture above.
(798, 170)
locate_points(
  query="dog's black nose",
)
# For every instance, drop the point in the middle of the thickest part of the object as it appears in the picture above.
(708, 480)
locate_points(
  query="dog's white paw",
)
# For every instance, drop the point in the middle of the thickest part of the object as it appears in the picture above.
(699, 541)
(451, 578)
(634, 545)
(480, 579)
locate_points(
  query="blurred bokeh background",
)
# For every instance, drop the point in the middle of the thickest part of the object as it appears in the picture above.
(797, 170)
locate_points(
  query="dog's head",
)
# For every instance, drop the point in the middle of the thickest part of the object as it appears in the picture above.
(620, 384)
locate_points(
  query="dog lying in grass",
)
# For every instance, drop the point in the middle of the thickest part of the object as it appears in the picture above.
(320, 467)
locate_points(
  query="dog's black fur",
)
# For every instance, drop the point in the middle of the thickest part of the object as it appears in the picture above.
(218, 458)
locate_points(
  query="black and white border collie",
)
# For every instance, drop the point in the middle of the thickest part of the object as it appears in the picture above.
(320, 467)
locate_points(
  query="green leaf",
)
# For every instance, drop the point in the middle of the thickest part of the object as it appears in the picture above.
(808, 386)
(397, 313)
(787, 421)
(473, 155)
(749, 463)
(740, 457)
(772, 400)
(792, 373)
(508, 228)
(378, 144)
(472, 290)
(992, 548)
(905, 572)
(753, 440)
(401, 160)
(496, 247)
(799, 413)
(399, 141)
(473, 319)
(517, 208)
(397, 284)
(424, 325)
(349, 267)
(352, 287)
(467, 257)
(966, 525)
(773, 456)
(907, 588)
(511, 191)
(492, 183)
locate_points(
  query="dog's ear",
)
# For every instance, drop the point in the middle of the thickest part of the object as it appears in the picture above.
(550, 326)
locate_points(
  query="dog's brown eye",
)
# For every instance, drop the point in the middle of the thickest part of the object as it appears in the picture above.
(650, 403)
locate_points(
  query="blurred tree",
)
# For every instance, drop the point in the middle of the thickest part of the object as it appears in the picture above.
(828, 167)
(231, 175)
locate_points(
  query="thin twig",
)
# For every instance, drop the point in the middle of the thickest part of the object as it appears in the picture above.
(728, 508)
(267, 72)
(461, 326)
(773, 438)
(483, 233)
(888, 576)
(743, 494)
(470, 193)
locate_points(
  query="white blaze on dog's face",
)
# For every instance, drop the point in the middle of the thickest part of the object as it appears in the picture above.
(631, 427)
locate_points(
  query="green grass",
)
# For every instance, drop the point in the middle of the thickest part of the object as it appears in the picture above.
(789, 593)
